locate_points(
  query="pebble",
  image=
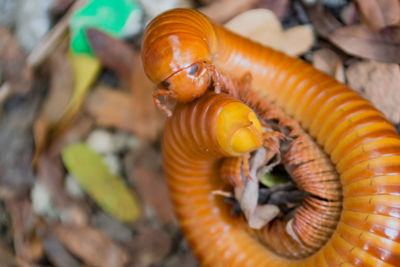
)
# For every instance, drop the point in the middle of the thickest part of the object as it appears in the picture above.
(105, 142)
(42, 202)
(101, 141)
(113, 163)
(72, 187)
(33, 22)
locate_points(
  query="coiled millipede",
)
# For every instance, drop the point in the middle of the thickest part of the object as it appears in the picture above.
(343, 151)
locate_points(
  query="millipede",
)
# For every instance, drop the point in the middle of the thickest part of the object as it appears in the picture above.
(339, 150)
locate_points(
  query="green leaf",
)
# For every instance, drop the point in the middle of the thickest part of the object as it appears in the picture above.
(271, 179)
(109, 191)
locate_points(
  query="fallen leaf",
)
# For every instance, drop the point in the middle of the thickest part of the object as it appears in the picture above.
(60, 92)
(380, 13)
(278, 7)
(378, 82)
(271, 180)
(55, 251)
(359, 41)
(148, 178)
(6, 256)
(261, 25)
(323, 22)
(26, 243)
(109, 191)
(16, 174)
(330, 63)
(111, 108)
(230, 7)
(91, 245)
(13, 66)
(150, 246)
(85, 70)
(146, 119)
(349, 14)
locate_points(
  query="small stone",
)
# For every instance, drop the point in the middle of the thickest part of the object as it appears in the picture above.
(74, 215)
(112, 227)
(72, 187)
(42, 202)
(124, 141)
(113, 163)
(101, 141)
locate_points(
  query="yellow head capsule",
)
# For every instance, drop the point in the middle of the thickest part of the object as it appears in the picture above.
(238, 129)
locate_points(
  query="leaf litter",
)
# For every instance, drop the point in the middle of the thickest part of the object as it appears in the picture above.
(340, 39)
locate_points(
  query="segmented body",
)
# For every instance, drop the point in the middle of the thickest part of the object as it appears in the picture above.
(362, 145)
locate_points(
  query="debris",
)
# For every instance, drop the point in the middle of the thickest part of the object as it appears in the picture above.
(120, 18)
(261, 25)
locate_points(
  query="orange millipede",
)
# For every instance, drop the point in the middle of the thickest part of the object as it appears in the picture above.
(184, 50)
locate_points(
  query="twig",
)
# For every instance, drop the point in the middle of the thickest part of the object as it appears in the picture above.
(53, 38)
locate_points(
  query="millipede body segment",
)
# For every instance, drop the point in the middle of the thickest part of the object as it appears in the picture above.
(358, 149)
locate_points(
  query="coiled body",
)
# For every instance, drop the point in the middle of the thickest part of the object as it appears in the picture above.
(361, 143)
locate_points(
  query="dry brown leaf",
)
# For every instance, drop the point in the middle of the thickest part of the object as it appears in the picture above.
(230, 9)
(55, 251)
(27, 245)
(146, 119)
(330, 63)
(380, 13)
(16, 174)
(12, 64)
(278, 7)
(150, 246)
(378, 82)
(111, 108)
(91, 245)
(6, 256)
(349, 14)
(261, 25)
(60, 92)
(148, 178)
(324, 23)
(359, 41)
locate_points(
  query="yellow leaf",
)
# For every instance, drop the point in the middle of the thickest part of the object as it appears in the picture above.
(108, 190)
(85, 69)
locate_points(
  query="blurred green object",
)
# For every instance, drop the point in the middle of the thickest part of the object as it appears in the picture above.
(108, 190)
(271, 179)
(115, 17)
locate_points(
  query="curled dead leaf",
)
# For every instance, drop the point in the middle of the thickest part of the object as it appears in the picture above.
(380, 13)
(329, 62)
(230, 7)
(359, 41)
(262, 25)
(92, 246)
(378, 82)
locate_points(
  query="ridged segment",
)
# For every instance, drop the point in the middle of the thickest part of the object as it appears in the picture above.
(359, 140)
